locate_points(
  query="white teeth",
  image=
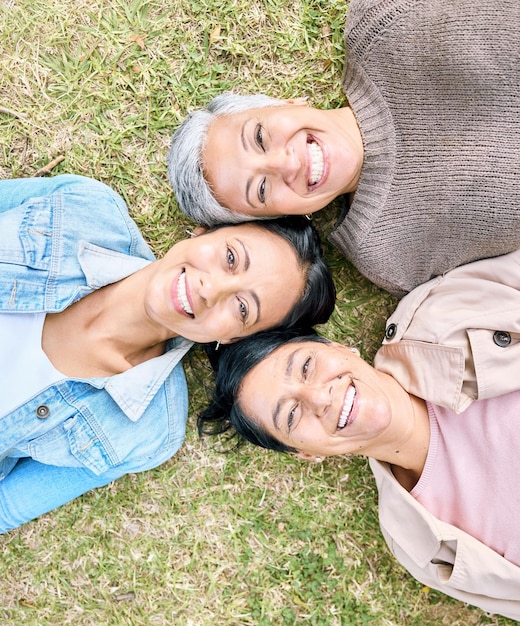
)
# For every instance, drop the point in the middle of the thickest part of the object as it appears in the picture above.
(347, 407)
(316, 163)
(181, 291)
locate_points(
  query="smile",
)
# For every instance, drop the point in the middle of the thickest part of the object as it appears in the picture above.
(316, 162)
(347, 408)
(183, 297)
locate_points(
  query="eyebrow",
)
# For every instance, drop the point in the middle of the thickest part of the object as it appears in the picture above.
(249, 180)
(247, 259)
(254, 295)
(288, 373)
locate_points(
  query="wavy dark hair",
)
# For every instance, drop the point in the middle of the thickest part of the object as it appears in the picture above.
(231, 364)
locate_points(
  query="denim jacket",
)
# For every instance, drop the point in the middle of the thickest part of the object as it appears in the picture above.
(62, 238)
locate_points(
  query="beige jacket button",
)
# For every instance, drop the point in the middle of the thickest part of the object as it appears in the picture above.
(502, 338)
(42, 411)
(390, 331)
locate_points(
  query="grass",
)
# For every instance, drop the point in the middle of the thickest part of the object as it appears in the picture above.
(247, 538)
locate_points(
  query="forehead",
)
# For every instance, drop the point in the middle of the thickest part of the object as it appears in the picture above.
(228, 156)
(237, 118)
(270, 383)
(224, 127)
(255, 235)
(259, 390)
(272, 270)
(230, 126)
(271, 373)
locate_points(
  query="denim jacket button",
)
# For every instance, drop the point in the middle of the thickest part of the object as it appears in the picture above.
(42, 411)
(502, 338)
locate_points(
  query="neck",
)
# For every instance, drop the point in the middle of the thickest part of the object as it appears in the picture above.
(410, 454)
(105, 333)
(408, 439)
(120, 313)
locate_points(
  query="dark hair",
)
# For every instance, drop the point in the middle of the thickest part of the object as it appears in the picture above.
(318, 297)
(231, 364)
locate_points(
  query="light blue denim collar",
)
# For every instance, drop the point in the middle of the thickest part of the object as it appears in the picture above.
(134, 389)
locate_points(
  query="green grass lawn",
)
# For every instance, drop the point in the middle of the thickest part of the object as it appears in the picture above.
(243, 538)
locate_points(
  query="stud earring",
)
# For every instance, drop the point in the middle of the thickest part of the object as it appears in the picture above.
(355, 351)
(318, 459)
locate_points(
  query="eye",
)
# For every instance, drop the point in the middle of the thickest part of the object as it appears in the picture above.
(290, 418)
(261, 192)
(259, 140)
(243, 311)
(230, 258)
(305, 368)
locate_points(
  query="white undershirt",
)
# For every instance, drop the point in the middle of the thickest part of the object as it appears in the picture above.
(24, 366)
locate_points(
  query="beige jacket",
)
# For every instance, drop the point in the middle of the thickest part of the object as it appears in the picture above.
(456, 338)
(440, 555)
(453, 340)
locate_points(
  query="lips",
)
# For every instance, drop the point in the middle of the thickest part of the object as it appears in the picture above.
(345, 417)
(183, 296)
(316, 162)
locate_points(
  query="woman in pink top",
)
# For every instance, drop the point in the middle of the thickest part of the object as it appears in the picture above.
(447, 482)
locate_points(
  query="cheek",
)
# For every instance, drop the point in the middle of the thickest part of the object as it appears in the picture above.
(378, 406)
(284, 197)
(221, 325)
(204, 252)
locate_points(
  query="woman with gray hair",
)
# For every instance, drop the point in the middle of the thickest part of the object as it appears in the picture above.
(426, 155)
(193, 191)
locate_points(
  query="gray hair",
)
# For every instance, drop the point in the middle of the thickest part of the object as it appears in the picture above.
(193, 192)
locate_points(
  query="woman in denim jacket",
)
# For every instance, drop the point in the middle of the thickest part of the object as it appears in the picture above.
(93, 328)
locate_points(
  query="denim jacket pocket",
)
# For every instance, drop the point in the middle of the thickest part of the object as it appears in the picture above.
(27, 234)
(90, 448)
(75, 443)
(25, 255)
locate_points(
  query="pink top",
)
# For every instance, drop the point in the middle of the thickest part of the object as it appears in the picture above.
(472, 471)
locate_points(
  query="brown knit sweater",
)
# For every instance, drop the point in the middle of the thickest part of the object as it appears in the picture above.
(435, 87)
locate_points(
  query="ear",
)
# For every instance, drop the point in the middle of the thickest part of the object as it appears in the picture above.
(352, 349)
(226, 342)
(199, 230)
(308, 457)
(301, 101)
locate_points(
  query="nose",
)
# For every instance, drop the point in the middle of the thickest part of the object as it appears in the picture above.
(283, 162)
(216, 287)
(319, 397)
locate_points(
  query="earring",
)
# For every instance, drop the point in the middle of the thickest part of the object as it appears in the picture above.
(318, 459)
(355, 351)
(190, 232)
(309, 216)
(217, 346)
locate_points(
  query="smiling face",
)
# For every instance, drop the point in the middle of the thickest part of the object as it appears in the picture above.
(282, 160)
(319, 398)
(225, 284)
